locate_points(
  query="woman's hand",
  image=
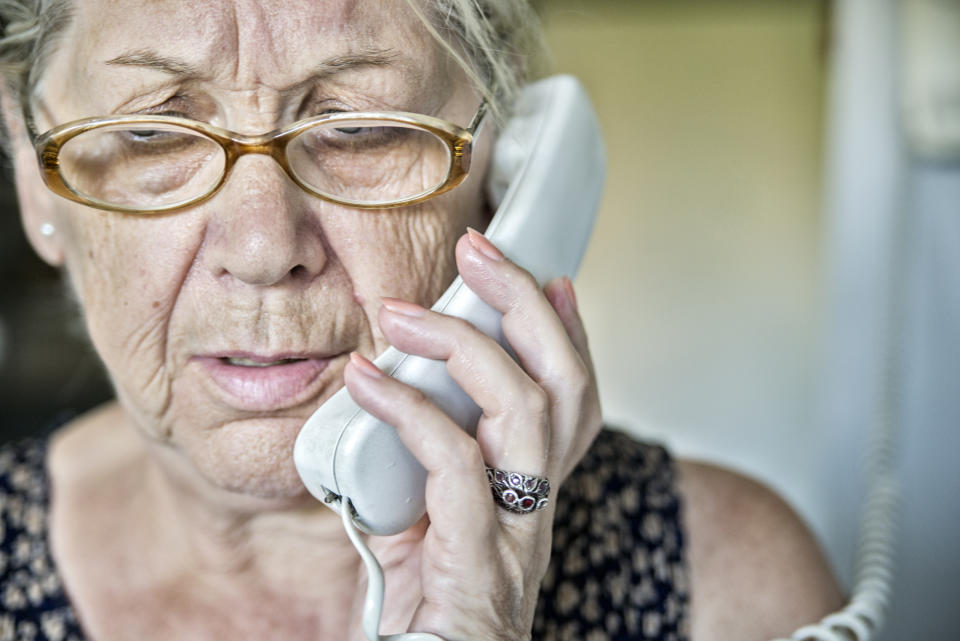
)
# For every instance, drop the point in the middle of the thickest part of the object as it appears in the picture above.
(471, 570)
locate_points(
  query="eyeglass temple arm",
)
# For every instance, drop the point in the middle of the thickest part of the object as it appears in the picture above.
(28, 122)
(478, 118)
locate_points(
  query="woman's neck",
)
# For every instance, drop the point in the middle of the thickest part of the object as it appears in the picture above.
(167, 526)
(286, 542)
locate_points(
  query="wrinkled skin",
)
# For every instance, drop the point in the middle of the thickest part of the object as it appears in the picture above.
(263, 267)
(265, 270)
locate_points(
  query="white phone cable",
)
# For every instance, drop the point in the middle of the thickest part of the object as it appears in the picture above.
(373, 602)
(863, 616)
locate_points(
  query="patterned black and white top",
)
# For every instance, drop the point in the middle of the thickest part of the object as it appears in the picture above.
(616, 573)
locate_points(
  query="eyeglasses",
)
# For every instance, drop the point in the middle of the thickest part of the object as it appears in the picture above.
(142, 164)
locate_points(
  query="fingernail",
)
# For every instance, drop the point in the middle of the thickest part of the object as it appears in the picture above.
(365, 366)
(556, 293)
(482, 245)
(403, 307)
(568, 288)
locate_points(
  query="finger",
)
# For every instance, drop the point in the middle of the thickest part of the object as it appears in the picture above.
(540, 339)
(513, 433)
(530, 325)
(559, 293)
(457, 493)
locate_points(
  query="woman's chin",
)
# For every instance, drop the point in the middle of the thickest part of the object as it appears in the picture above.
(250, 458)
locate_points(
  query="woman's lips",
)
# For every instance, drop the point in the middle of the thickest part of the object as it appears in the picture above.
(264, 383)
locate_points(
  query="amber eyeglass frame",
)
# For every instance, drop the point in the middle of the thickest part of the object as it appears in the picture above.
(459, 142)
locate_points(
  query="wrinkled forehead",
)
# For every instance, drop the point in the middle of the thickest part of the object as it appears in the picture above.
(238, 44)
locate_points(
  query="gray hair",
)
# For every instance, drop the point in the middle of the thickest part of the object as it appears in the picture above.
(497, 43)
(31, 30)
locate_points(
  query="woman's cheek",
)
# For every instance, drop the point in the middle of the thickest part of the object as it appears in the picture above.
(125, 278)
(405, 254)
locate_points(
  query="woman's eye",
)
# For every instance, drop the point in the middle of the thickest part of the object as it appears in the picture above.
(151, 135)
(143, 134)
(145, 141)
(354, 138)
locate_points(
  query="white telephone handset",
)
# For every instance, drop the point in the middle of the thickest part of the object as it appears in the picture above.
(547, 174)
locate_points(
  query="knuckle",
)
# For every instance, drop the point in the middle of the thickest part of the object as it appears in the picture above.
(463, 335)
(579, 374)
(466, 452)
(524, 285)
(515, 571)
(418, 399)
(571, 377)
(457, 330)
(537, 401)
(582, 386)
(461, 325)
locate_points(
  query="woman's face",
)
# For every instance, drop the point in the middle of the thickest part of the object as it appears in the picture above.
(225, 325)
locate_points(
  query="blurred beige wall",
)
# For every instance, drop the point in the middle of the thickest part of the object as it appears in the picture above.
(701, 285)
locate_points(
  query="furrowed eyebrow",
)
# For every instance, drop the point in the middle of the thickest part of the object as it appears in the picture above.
(153, 60)
(329, 67)
(372, 58)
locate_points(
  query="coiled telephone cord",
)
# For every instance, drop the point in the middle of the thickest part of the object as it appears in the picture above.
(861, 619)
(863, 615)
(873, 577)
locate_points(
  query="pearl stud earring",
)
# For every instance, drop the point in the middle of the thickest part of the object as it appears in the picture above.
(47, 229)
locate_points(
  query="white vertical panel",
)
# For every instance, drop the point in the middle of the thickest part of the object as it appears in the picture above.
(893, 238)
(863, 193)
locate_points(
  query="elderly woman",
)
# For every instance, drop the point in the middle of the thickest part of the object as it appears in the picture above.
(229, 301)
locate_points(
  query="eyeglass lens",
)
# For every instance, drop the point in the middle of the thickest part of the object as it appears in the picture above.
(162, 165)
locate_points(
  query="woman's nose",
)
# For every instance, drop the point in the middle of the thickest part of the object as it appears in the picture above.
(261, 229)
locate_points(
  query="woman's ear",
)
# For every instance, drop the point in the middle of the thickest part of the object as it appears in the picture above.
(37, 207)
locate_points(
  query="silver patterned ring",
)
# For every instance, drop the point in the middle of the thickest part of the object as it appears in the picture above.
(518, 492)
